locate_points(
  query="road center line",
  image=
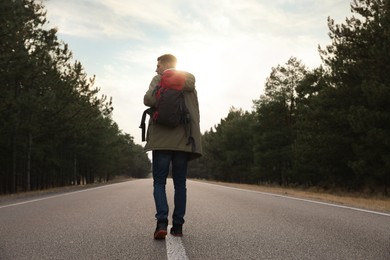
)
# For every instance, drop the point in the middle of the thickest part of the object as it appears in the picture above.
(175, 248)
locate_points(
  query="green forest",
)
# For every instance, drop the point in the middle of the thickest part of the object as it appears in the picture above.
(327, 127)
(55, 126)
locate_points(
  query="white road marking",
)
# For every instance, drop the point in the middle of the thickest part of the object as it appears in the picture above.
(56, 196)
(175, 248)
(305, 200)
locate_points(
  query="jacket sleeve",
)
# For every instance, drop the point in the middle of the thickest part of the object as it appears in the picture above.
(149, 97)
(189, 84)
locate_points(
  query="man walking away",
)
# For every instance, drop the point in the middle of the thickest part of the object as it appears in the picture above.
(172, 146)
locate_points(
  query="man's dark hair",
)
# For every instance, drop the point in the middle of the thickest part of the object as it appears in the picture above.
(168, 58)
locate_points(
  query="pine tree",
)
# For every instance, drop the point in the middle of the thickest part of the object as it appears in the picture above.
(359, 65)
(54, 130)
(274, 128)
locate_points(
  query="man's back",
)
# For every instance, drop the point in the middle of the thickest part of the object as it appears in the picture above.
(165, 138)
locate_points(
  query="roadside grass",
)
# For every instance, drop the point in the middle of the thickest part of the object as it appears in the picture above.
(358, 200)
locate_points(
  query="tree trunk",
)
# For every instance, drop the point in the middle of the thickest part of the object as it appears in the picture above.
(29, 150)
(13, 184)
(75, 182)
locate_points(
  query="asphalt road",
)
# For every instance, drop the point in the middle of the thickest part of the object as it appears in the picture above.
(117, 222)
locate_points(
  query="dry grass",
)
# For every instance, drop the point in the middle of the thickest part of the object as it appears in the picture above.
(380, 204)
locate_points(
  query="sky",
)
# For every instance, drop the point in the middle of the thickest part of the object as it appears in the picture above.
(230, 46)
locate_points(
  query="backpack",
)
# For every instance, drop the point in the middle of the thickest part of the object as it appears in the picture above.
(170, 109)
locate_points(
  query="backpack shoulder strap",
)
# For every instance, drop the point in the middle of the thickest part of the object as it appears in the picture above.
(149, 112)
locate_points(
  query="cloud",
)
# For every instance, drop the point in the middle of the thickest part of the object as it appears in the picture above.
(95, 19)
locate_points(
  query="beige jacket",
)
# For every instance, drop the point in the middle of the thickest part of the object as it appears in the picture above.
(162, 138)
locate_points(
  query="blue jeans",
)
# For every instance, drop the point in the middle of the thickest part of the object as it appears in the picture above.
(161, 162)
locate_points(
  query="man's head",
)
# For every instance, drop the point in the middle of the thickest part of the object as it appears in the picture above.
(164, 62)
